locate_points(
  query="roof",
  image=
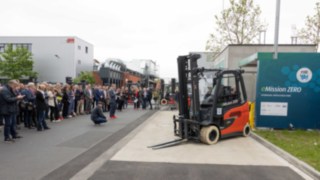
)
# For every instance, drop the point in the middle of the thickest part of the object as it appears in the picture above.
(252, 61)
(235, 45)
(2, 37)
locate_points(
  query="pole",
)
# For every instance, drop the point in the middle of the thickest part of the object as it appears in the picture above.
(260, 37)
(276, 31)
(222, 5)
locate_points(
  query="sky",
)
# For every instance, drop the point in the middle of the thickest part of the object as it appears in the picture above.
(160, 30)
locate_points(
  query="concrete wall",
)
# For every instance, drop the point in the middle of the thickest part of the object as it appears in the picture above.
(55, 58)
(205, 60)
(239, 52)
(221, 61)
(83, 56)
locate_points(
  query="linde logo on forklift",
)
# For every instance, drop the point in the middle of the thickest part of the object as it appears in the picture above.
(281, 89)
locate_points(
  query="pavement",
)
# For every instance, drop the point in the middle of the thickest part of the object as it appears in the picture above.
(76, 149)
(38, 154)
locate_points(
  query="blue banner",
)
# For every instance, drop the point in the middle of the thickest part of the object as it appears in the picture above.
(288, 91)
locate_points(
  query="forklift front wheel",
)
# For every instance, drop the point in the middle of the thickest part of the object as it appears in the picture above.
(209, 135)
(246, 130)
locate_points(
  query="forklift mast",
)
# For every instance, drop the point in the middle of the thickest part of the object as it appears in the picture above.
(188, 71)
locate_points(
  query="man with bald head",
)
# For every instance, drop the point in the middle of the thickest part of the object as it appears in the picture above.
(8, 109)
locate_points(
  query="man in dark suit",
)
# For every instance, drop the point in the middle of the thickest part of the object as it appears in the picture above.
(41, 107)
(8, 109)
(30, 100)
(113, 103)
(149, 97)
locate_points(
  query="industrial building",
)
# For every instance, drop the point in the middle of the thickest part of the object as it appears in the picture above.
(55, 58)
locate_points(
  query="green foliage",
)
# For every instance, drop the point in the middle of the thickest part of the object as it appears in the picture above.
(310, 33)
(304, 145)
(85, 76)
(239, 24)
(16, 63)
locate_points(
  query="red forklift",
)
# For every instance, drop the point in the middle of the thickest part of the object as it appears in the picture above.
(218, 107)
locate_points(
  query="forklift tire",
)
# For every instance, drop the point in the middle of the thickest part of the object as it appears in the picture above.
(210, 135)
(246, 130)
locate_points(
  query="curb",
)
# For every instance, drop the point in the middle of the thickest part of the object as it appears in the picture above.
(288, 157)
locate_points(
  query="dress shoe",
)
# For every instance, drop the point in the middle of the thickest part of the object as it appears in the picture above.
(17, 137)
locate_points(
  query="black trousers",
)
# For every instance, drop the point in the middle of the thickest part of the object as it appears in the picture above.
(54, 113)
(1, 120)
(65, 109)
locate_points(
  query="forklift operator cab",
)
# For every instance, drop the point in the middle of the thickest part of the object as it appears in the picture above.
(219, 106)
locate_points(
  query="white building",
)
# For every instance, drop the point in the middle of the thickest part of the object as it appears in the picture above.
(143, 66)
(55, 58)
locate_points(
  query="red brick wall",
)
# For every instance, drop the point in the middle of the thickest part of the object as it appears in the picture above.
(130, 77)
(97, 78)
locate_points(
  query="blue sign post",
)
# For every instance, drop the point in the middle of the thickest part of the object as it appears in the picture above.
(288, 90)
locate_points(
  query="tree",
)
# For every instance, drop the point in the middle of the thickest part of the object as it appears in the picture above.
(16, 63)
(239, 24)
(310, 33)
(85, 76)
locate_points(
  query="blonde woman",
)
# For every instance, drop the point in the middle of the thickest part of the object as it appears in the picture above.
(53, 104)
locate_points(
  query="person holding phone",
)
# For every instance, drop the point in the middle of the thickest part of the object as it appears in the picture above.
(8, 109)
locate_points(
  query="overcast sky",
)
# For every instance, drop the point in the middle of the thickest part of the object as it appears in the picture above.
(159, 30)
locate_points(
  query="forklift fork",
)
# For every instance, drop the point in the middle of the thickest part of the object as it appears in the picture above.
(168, 144)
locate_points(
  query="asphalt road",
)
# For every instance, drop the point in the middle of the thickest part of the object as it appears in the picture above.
(66, 148)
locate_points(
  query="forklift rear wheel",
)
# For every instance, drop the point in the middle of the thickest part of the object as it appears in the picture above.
(246, 130)
(209, 135)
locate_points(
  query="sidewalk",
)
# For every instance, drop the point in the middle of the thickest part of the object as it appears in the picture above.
(245, 156)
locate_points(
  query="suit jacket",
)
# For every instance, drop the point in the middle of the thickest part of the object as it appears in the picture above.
(112, 96)
(8, 101)
(149, 95)
(87, 94)
(40, 101)
(29, 97)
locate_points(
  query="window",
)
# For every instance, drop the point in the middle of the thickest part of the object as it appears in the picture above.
(79, 61)
(87, 49)
(1, 48)
(16, 45)
(230, 92)
(79, 47)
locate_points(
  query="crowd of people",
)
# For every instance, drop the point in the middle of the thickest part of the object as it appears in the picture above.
(32, 105)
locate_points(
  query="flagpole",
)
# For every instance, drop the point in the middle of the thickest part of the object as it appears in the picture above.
(276, 30)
